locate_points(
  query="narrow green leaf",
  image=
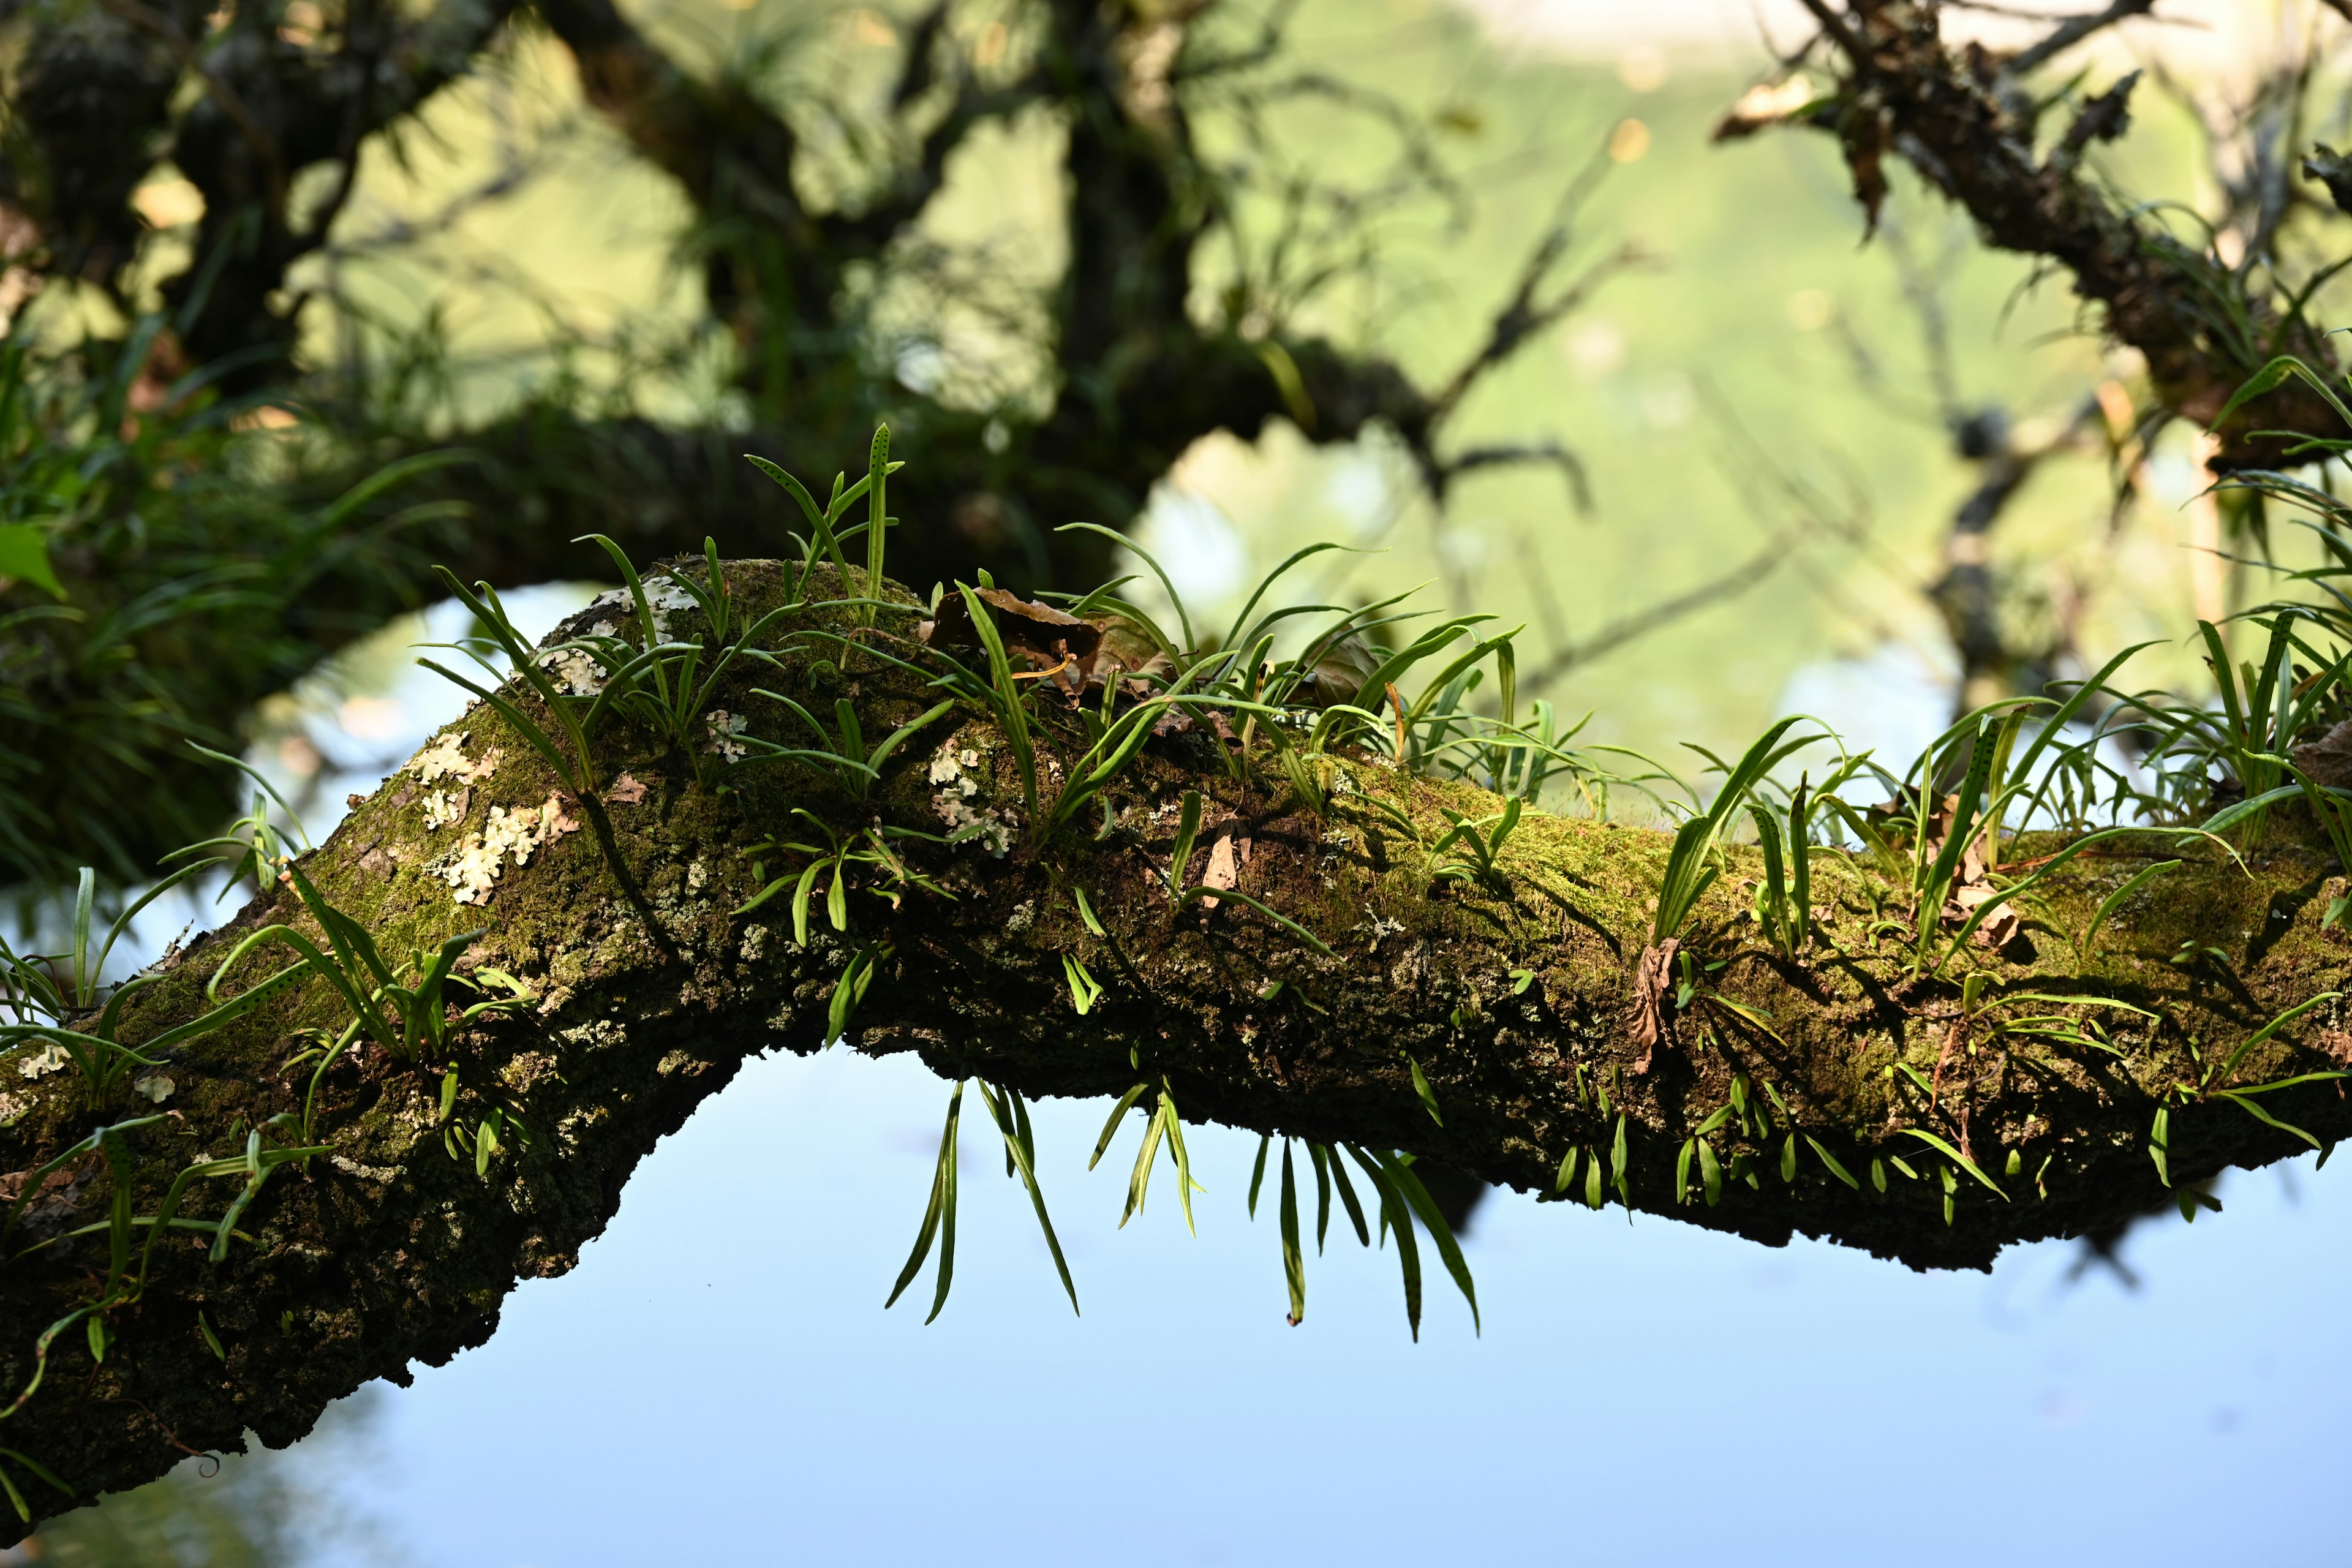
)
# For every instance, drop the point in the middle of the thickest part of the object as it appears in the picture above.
(2230, 1064)
(1839, 1172)
(1422, 1090)
(1347, 1198)
(930, 1230)
(1963, 1162)
(1110, 1126)
(1432, 1219)
(947, 1179)
(1293, 1261)
(1020, 1148)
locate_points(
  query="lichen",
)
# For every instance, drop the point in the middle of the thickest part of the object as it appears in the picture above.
(474, 866)
(51, 1058)
(443, 757)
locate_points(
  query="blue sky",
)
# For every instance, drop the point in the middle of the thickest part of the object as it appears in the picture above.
(718, 1380)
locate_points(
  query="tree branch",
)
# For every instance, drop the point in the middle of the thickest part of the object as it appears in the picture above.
(1508, 992)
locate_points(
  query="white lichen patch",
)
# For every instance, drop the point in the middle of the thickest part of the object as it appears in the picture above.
(953, 789)
(724, 727)
(51, 1058)
(663, 597)
(156, 1086)
(578, 670)
(446, 759)
(596, 1034)
(473, 868)
(14, 1105)
(696, 875)
(445, 806)
(989, 826)
(351, 1167)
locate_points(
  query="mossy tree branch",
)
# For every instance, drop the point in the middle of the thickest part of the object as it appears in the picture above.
(1511, 991)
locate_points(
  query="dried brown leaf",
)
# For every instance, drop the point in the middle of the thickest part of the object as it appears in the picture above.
(2329, 759)
(1653, 981)
(1229, 851)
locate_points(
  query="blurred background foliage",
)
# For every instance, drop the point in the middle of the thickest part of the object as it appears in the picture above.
(1241, 276)
(260, 1510)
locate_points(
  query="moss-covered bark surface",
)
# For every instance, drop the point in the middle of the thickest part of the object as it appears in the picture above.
(1513, 994)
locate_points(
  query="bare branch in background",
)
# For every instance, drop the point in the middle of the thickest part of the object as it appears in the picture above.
(2072, 31)
(2203, 320)
(1656, 617)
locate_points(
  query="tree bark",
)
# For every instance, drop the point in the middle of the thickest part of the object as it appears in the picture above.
(1512, 995)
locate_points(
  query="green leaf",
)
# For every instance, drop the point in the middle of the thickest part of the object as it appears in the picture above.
(1346, 1195)
(1432, 1219)
(2230, 1064)
(1293, 1261)
(1396, 1218)
(25, 556)
(1421, 1090)
(1962, 1161)
(2269, 377)
(2252, 1108)
(1620, 1167)
(1839, 1172)
(1188, 829)
(877, 471)
(1186, 1186)
(2110, 903)
(939, 1210)
(1085, 989)
(1020, 1147)
(1139, 1180)
(1322, 1195)
(1237, 896)
(1110, 1126)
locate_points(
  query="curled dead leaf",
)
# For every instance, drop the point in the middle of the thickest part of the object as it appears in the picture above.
(1653, 1019)
(2000, 927)
(1229, 851)
(1035, 637)
(2329, 759)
